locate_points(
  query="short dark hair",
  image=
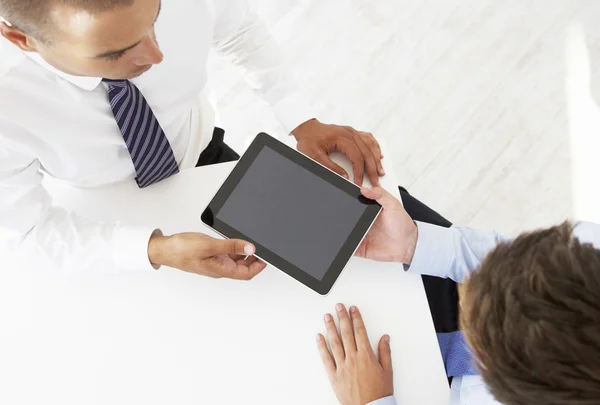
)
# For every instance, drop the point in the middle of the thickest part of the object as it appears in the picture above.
(531, 313)
(33, 17)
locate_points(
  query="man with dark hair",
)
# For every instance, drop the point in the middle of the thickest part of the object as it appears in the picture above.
(89, 97)
(531, 313)
(530, 309)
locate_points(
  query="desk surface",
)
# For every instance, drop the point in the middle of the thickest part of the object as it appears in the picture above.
(171, 337)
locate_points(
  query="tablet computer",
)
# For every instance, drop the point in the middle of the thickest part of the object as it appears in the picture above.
(303, 218)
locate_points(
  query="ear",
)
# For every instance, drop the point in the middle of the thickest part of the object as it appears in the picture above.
(20, 39)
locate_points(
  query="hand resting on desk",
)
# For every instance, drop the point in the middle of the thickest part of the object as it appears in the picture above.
(355, 373)
(201, 254)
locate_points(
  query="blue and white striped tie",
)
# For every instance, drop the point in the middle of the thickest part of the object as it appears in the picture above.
(147, 143)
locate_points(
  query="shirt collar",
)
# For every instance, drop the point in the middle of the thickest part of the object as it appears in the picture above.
(84, 82)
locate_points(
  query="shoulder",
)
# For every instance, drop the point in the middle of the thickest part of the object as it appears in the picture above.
(21, 80)
(587, 232)
(11, 58)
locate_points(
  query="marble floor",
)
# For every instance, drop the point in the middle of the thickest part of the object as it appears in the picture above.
(490, 105)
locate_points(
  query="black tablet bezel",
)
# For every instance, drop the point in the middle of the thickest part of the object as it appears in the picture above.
(371, 212)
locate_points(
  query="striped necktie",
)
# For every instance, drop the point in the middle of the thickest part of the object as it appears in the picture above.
(147, 143)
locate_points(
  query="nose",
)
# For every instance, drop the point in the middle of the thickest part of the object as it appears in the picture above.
(149, 53)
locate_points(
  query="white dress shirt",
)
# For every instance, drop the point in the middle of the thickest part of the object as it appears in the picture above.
(59, 125)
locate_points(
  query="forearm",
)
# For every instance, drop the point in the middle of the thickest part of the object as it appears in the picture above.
(71, 244)
(243, 38)
(41, 234)
(451, 252)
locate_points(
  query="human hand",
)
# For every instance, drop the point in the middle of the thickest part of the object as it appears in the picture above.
(393, 236)
(201, 254)
(355, 374)
(318, 141)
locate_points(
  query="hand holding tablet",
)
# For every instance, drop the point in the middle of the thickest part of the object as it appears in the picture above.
(302, 218)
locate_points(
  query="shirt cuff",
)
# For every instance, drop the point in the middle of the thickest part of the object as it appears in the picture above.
(434, 251)
(292, 111)
(384, 401)
(130, 248)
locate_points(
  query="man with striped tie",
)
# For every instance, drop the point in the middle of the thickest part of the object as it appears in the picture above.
(99, 92)
(96, 92)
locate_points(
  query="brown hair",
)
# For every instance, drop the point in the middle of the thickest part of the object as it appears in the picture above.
(33, 17)
(531, 313)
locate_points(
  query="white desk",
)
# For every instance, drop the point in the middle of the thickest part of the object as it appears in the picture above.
(168, 337)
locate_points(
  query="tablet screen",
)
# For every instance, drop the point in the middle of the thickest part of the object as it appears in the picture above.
(296, 214)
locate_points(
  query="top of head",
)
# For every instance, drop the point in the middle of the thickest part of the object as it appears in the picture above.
(531, 313)
(36, 17)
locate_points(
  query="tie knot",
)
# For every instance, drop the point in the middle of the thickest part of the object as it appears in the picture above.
(115, 83)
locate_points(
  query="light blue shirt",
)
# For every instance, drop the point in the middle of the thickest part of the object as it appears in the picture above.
(455, 252)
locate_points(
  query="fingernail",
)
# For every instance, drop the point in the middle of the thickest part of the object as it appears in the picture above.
(248, 249)
(327, 318)
(352, 309)
(319, 337)
(382, 172)
(346, 176)
(339, 307)
(387, 338)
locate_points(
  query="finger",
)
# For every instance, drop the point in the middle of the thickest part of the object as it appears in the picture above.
(337, 349)
(362, 249)
(257, 267)
(326, 161)
(385, 353)
(249, 268)
(250, 261)
(360, 331)
(370, 161)
(219, 265)
(225, 266)
(234, 247)
(375, 148)
(244, 260)
(352, 151)
(322, 157)
(326, 357)
(381, 195)
(346, 329)
(245, 272)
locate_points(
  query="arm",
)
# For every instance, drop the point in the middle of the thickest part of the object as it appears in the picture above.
(428, 249)
(242, 37)
(423, 248)
(32, 228)
(451, 252)
(457, 251)
(37, 233)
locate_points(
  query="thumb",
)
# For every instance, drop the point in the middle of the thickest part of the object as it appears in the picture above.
(385, 353)
(234, 247)
(331, 165)
(379, 194)
(322, 157)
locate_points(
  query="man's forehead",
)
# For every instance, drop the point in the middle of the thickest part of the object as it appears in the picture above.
(73, 21)
(99, 31)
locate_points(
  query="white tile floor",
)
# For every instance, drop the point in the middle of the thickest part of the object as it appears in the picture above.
(472, 94)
